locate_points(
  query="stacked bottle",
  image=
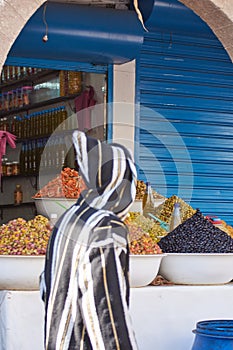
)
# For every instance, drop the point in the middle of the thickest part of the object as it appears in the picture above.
(14, 73)
(38, 123)
(4, 124)
(70, 82)
(42, 154)
(15, 98)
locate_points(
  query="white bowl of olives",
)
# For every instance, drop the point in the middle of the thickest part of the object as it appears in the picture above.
(197, 268)
(143, 269)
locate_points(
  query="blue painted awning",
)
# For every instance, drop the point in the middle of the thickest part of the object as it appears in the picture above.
(170, 16)
(80, 33)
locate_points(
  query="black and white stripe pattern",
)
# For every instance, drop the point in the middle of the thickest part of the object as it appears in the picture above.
(85, 281)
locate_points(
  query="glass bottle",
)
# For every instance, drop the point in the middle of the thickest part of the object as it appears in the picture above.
(13, 125)
(39, 151)
(33, 157)
(15, 168)
(19, 127)
(52, 220)
(148, 200)
(22, 159)
(10, 99)
(18, 195)
(20, 97)
(29, 158)
(9, 168)
(26, 158)
(64, 116)
(176, 218)
(4, 161)
(26, 95)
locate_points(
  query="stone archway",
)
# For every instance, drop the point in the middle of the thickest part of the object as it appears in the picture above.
(218, 14)
(14, 14)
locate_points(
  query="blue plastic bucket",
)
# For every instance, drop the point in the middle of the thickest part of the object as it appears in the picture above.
(213, 335)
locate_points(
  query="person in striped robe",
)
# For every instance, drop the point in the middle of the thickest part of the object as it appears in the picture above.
(85, 283)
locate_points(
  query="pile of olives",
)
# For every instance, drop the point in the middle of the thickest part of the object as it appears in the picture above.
(164, 211)
(197, 235)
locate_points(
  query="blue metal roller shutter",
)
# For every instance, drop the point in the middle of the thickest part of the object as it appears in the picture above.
(185, 134)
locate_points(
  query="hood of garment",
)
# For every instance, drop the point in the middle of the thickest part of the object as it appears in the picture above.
(109, 173)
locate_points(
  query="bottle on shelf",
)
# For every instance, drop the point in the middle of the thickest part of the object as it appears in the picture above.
(20, 97)
(14, 126)
(4, 161)
(15, 168)
(39, 123)
(19, 127)
(22, 159)
(26, 158)
(18, 195)
(39, 152)
(29, 158)
(64, 116)
(33, 157)
(176, 217)
(64, 82)
(57, 153)
(8, 168)
(148, 203)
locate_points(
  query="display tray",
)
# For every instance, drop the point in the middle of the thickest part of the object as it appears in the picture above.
(143, 269)
(20, 272)
(197, 268)
(47, 206)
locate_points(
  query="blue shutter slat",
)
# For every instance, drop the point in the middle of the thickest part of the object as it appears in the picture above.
(185, 89)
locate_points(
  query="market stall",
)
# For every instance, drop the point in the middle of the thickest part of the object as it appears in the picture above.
(164, 311)
(163, 316)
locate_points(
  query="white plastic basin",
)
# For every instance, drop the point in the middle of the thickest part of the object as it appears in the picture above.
(197, 268)
(20, 272)
(143, 269)
(48, 206)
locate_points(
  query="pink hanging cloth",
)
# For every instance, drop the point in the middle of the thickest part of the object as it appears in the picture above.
(5, 137)
(82, 105)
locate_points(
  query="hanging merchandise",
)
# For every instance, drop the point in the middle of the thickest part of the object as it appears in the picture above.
(5, 137)
(83, 110)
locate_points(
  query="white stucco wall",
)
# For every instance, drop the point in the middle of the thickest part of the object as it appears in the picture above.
(123, 107)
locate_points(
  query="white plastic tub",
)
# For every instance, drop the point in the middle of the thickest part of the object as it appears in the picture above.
(20, 272)
(197, 268)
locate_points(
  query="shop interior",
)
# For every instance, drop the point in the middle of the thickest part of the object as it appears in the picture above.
(42, 107)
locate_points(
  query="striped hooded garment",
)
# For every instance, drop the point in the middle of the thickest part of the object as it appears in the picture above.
(85, 283)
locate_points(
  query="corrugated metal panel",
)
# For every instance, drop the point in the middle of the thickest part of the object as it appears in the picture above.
(185, 90)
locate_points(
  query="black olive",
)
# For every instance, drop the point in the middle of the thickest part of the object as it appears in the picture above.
(197, 235)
